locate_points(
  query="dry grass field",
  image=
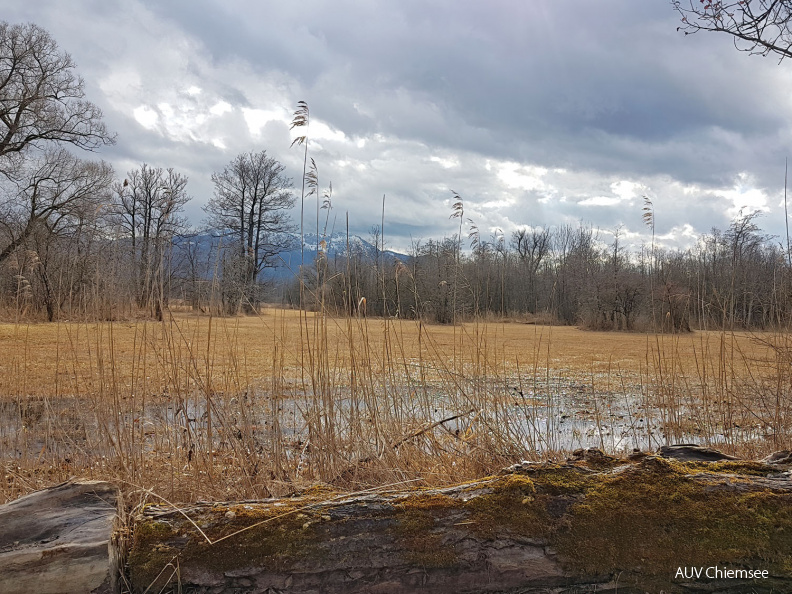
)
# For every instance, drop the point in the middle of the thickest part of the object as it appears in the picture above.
(68, 358)
(201, 407)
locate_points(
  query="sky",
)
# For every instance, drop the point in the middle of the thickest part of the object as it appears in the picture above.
(536, 113)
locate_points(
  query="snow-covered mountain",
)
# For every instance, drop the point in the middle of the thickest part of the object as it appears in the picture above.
(204, 249)
(335, 248)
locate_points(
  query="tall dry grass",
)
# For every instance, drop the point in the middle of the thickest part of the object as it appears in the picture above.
(200, 407)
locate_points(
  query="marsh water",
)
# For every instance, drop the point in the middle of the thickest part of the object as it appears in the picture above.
(548, 417)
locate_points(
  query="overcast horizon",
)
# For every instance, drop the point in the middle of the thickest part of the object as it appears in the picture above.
(540, 113)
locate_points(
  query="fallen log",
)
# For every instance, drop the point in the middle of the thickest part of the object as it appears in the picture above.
(59, 540)
(598, 524)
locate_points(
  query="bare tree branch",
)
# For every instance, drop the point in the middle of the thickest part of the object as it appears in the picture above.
(757, 26)
(41, 98)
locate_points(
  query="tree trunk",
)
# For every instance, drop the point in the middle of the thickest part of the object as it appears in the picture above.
(599, 525)
(49, 299)
(18, 241)
(58, 540)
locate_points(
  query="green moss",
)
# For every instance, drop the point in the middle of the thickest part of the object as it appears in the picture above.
(562, 480)
(153, 531)
(278, 540)
(514, 507)
(508, 504)
(414, 529)
(151, 554)
(423, 545)
(651, 519)
(641, 521)
(745, 467)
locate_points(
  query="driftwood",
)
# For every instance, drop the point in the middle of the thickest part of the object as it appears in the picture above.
(595, 524)
(58, 540)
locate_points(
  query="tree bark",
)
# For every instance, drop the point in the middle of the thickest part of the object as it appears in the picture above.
(58, 540)
(597, 524)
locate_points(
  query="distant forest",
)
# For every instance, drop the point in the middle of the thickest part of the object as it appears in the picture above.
(735, 278)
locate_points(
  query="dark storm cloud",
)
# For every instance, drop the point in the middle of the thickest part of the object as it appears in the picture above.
(578, 84)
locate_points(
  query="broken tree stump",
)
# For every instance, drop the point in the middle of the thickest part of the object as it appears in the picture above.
(602, 525)
(59, 540)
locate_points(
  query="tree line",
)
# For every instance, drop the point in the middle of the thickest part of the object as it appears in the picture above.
(733, 278)
(78, 240)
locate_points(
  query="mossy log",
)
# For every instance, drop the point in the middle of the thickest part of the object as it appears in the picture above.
(59, 540)
(595, 524)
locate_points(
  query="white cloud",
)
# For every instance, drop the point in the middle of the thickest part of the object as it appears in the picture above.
(411, 124)
(744, 196)
(256, 119)
(445, 162)
(498, 204)
(319, 130)
(525, 177)
(600, 201)
(220, 108)
(680, 235)
(627, 190)
(146, 117)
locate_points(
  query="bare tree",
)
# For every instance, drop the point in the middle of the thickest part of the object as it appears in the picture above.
(757, 26)
(149, 204)
(49, 192)
(48, 197)
(41, 98)
(251, 203)
(66, 257)
(532, 249)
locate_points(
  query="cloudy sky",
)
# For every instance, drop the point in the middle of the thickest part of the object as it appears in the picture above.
(536, 112)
